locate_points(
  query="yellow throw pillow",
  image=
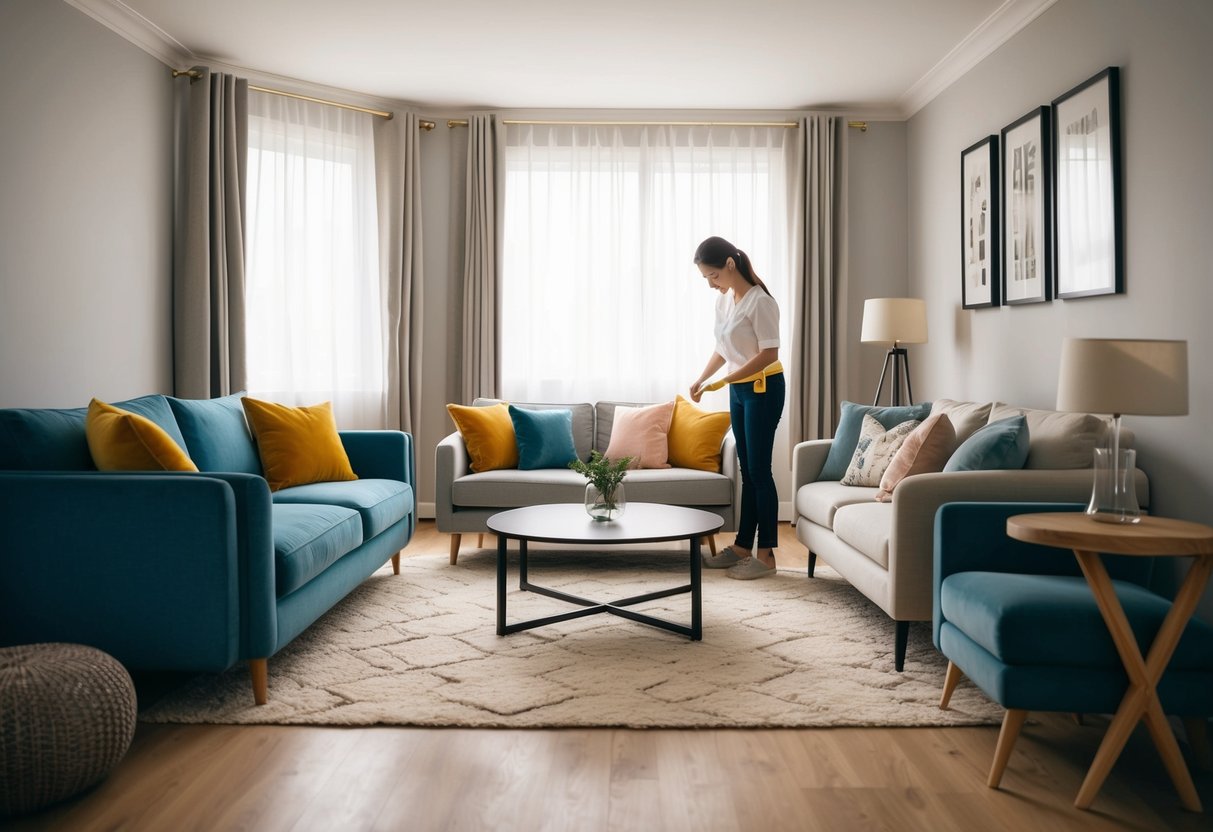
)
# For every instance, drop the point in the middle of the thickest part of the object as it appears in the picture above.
(488, 433)
(119, 440)
(695, 436)
(297, 445)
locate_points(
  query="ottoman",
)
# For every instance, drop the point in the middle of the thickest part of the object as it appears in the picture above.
(67, 715)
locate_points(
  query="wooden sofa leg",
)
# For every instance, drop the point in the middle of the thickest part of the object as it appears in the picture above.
(1197, 731)
(950, 681)
(396, 564)
(1011, 723)
(900, 637)
(812, 563)
(455, 548)
(480, 541)
(710, 539)
(258, 670)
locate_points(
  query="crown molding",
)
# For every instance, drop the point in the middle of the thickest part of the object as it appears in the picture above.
(994, 31)
(121, 18)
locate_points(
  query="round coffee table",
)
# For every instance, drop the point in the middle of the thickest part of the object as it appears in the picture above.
(569, 523)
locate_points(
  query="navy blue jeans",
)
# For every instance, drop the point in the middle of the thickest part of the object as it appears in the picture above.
(755, 417)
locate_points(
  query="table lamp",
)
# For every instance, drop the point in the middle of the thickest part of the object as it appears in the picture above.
(1117, 376)
(894, 321)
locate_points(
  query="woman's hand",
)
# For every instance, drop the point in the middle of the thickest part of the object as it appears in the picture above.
(696, 391)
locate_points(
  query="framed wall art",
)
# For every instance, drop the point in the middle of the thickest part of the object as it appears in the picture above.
(979, 224)
(1027, 232)
(1086, 185)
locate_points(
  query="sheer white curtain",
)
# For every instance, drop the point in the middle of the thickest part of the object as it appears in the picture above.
(315, 330)
(600, 298)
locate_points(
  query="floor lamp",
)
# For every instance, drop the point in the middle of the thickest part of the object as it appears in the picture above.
(894, 321)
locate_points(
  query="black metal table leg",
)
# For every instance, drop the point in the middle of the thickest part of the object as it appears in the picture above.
(501, 564)
(696, 591)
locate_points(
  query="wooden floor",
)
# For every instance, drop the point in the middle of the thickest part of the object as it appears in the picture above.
(306, 778)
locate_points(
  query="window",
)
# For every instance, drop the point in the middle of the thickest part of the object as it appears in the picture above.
(314, 320)
(600, 297)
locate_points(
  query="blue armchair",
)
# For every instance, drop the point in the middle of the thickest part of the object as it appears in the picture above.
(1021, 623)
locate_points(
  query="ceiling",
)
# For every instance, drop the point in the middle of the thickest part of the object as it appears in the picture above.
(861, 55)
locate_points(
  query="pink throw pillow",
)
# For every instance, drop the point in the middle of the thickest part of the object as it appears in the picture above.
(643, 434)
(926, 450)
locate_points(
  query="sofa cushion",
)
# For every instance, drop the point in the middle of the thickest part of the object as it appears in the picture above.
(216, 434)
(1053, 620)
(46, 439)
(119, 440)
(966, 417)
(818, 501)
(380, 502)
(875, 450)
(1058, 440)
(514, 488)
(867, 527)
(1001, 445)
(583, 421)
(545, 437)
(309, 539)
(488, 434)
(642, 433)
(846, 437)
(678, 486)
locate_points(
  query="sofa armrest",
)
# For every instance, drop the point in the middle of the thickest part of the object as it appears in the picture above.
(808, 458)
(450, 463)
(156, 569)
(381, 454)
(916, 499)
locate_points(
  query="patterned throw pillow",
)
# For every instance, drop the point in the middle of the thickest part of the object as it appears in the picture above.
(875, 451)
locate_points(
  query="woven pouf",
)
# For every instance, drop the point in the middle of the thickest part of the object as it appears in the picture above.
(67, 715)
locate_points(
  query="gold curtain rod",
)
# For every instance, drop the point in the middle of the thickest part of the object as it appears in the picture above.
(195, 74)
(462, 122)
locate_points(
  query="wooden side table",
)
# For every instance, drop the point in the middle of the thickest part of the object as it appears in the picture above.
(1152, 537)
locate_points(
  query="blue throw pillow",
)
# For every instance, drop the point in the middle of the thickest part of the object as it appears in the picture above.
(216, 434)
(999, 446)
(545, 438)
(851, 422)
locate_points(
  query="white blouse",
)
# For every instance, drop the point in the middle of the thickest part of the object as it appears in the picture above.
(745, 328)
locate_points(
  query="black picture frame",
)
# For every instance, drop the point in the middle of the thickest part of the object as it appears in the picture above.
(980, 261)
(1088, 232)
(1027, 209)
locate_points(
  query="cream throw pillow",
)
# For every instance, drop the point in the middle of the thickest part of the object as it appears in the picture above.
(875, 451)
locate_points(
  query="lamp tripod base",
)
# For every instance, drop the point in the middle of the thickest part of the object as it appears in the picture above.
(899, 359)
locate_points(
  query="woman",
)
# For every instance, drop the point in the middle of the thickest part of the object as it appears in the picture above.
(747, 346)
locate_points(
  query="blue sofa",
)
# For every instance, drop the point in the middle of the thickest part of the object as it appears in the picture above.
(186, 571)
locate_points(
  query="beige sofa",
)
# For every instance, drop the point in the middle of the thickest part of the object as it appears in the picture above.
(464, 500)
(886, 550)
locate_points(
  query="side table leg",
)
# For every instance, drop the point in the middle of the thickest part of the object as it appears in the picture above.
(501, 566)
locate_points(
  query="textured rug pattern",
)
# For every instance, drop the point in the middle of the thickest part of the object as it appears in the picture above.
(421, 649)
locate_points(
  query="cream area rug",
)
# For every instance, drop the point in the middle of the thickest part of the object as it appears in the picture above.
(421, 649)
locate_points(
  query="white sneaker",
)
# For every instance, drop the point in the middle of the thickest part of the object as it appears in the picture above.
(749, 569)
(724, 558)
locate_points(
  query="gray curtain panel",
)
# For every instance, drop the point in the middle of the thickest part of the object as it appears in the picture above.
(398, 189)
(208, 235)
(817, 283)
(482, 259)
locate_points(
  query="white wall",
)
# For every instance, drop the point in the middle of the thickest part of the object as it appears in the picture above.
(85, 211)
(1163, 50)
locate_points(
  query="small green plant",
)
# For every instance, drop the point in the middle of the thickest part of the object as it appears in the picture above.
(604, 474)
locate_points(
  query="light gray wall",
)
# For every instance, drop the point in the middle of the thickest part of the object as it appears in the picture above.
(85, 211)
(877, 246)
(1010, 353)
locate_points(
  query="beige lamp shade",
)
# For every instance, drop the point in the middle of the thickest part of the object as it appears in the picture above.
(1111, 375)
(894, 321)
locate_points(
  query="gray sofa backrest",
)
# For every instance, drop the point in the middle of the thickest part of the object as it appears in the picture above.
(583, 421)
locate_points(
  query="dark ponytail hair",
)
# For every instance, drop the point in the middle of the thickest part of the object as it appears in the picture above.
(716, 251)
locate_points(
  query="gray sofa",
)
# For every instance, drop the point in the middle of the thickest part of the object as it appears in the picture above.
(886, 550)
(464, 500)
